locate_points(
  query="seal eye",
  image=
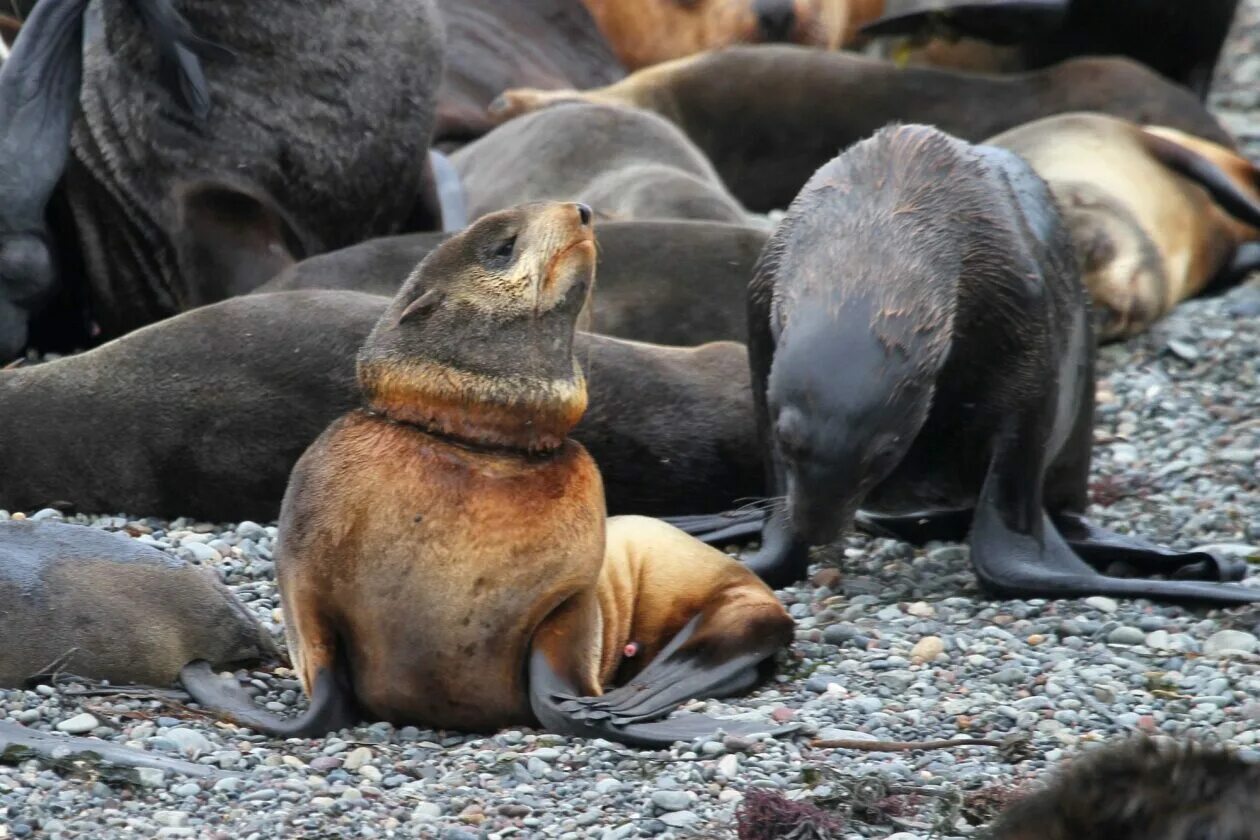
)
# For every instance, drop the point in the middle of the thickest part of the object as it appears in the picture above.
(501, 253)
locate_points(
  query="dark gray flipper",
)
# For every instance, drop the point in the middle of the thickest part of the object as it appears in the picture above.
(1018, 552)
(332, 704)
(1190, 164)
(672, 677)
(716, 528)
(995, 21)
(1102, 548)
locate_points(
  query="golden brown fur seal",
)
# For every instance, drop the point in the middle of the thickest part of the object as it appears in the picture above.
(1156, 215)
(444, 555)
(648, 32)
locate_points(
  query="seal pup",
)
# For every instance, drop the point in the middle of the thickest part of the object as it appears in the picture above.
(755, 113)
(920, 347)
(626, 163)
(1182, 41)
(664, 282)
(453, 520)
(1141, 790)
(106, 607)
(1157, 216)
(248, 383)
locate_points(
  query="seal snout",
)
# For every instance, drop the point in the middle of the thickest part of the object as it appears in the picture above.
(775, 18)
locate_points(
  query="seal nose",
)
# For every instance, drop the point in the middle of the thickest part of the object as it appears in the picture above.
(584, 214)
(775, 18)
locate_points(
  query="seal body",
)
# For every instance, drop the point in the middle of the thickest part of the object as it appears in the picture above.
(1140, 208)
(921, 349)
(393, 557)
(754, 111)
(664, 282)
(170, 214)
(625, 163)
(252, 381)
(452, 521)
(106, 607)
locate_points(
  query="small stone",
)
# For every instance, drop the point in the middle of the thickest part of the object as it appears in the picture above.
(782, 714)
(175, 819)
(427, 812)
(186, 789)
(679, 819)
(1126, 636)
(921, 609)
(671, 800)
(1158, 640)
(1102, 603)
(229, 785)
(1230, 643)
(927, 649)
(728, 766)
(1011, 676)
(150, 776)
(189, 742)
(358, 757)
(80, 724)
(546, 754)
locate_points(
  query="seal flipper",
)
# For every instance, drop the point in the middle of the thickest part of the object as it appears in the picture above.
(1101, 548)
(332, 704)
(1017, 551)
(565, 699)
(996, 21)
(717, 528)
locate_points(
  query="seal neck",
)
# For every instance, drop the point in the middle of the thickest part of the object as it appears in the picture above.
(529, 414)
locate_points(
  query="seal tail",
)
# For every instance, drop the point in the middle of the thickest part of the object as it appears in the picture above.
(332, 705)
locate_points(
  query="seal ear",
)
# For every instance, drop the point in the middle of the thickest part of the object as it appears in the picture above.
(233, 238)
(421, 306)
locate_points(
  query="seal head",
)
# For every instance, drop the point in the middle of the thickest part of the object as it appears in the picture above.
(521, 276)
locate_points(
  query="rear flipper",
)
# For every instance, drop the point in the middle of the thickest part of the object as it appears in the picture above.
(1104, 549)
(1018, 552)
(717, 653)
(332, 703)
(1003, 22)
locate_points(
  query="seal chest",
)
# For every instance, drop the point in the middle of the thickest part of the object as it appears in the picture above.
(439, 561)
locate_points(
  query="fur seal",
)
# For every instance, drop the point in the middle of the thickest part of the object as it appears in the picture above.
(493, 45)
(754, 111)
(1181, 41)
(626, 163)
(164, 211)
(676, 282)
(459, 521)
(652, 31)
(943, 379)
(204, 414)
(1155, 218)
(1141, 790)
(106, 607)
(39, 89)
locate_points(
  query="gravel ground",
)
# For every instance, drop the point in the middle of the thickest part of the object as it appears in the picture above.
(892, 643)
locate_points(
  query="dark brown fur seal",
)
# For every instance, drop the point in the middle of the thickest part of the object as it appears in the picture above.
(920, 348)
(626, 163)
(1157, 216)
(1182, 41)
(677, 282)
(755, 111)
(452, 520)
(161, 211)
(106, 607)
(1142, 790)
(205, 414)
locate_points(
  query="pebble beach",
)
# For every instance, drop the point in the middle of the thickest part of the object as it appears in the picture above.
(892, 643)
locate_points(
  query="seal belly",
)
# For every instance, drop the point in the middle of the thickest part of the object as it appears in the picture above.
(437, 562)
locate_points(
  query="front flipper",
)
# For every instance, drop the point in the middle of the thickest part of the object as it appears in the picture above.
(332, 703)
(1102, 548)
(1018, 552)
(718, 528)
